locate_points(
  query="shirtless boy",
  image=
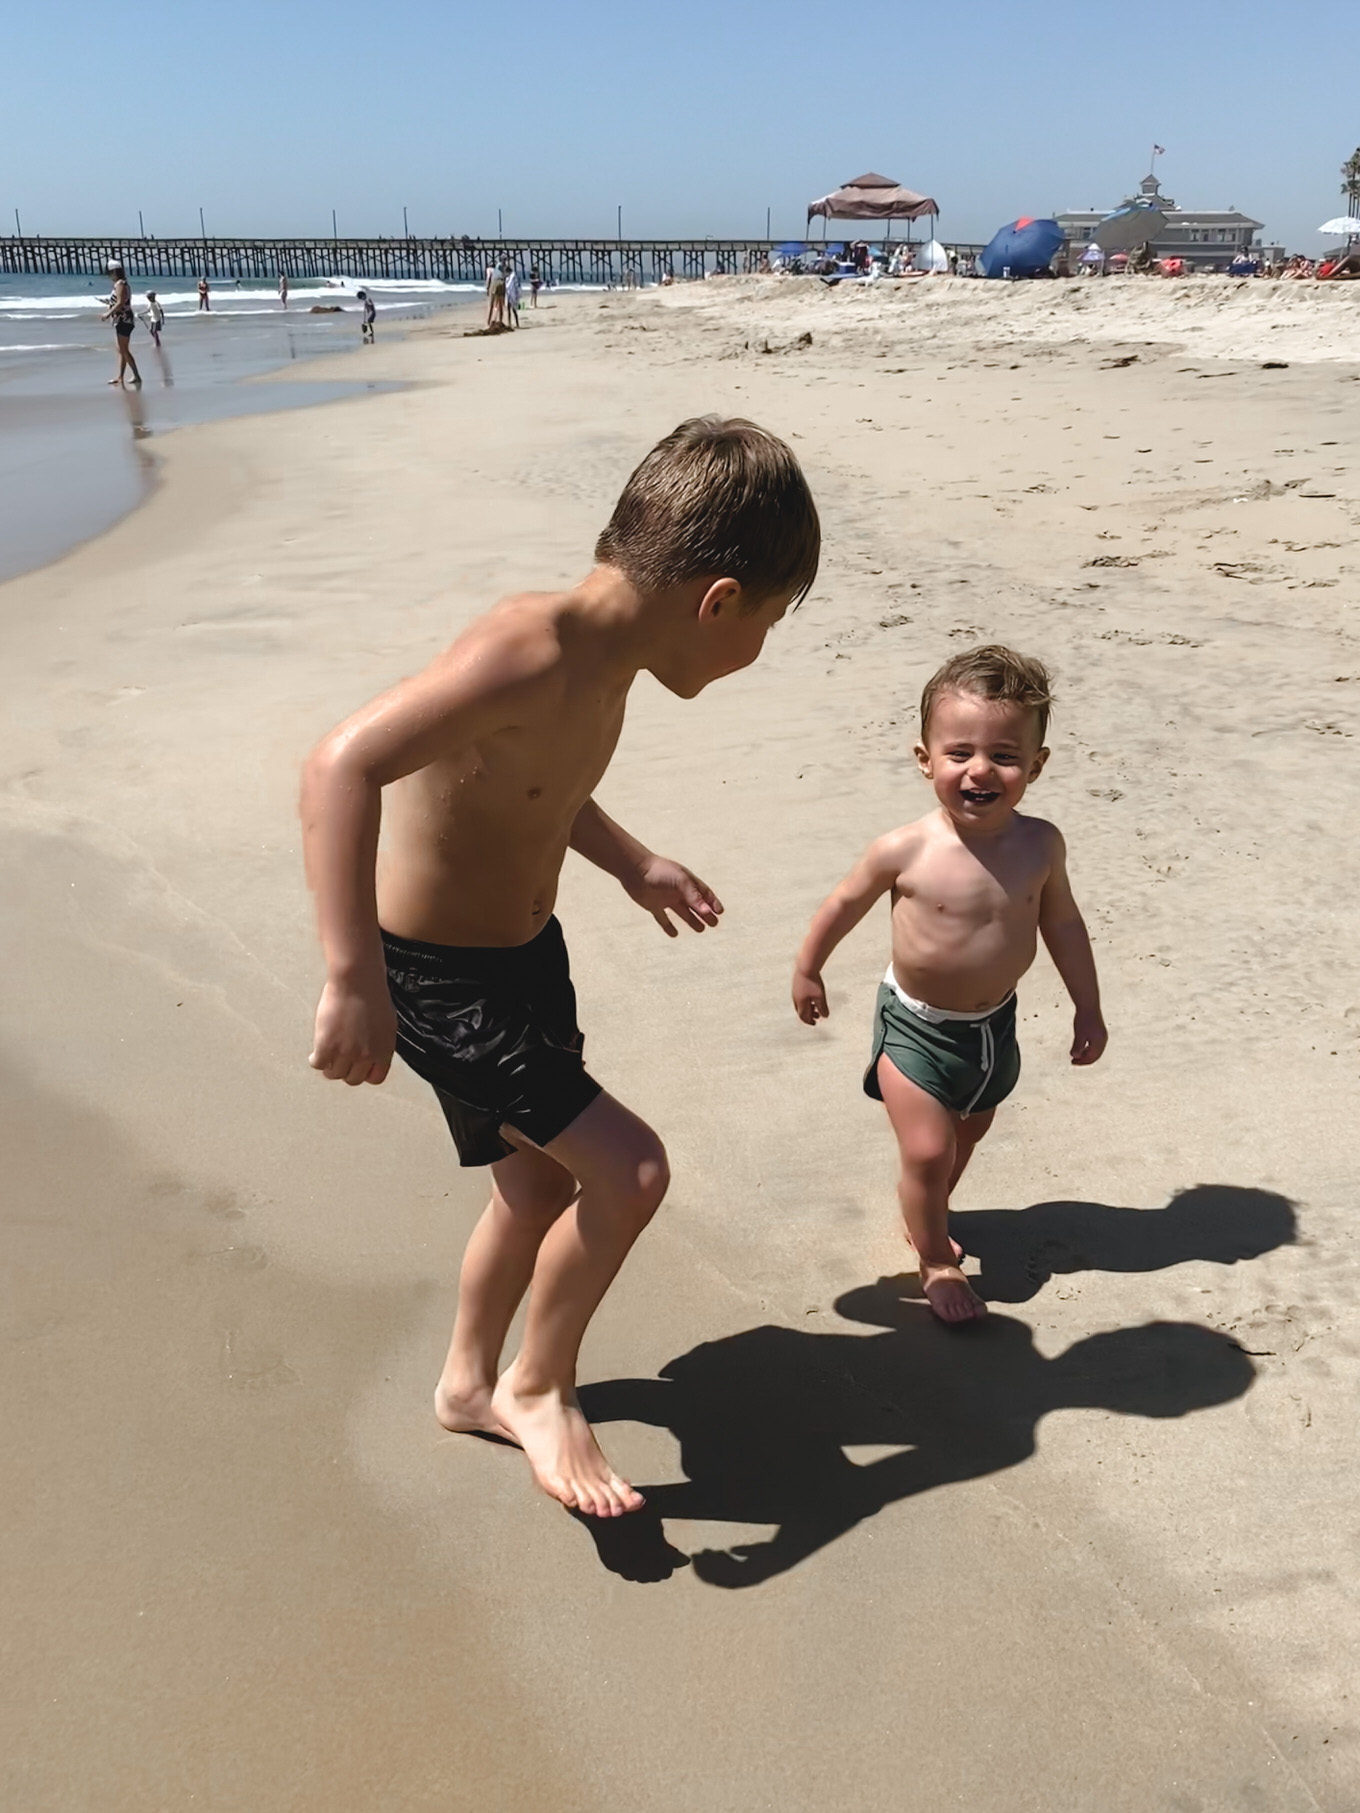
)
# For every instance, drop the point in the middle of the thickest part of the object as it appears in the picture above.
(451, 955)
(974, 885)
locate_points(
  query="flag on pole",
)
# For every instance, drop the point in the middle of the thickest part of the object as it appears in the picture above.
(1159, 150)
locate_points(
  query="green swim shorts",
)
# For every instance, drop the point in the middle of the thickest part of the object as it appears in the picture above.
(970, 1062)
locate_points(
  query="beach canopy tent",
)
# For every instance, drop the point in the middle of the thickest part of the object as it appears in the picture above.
(1024, 248)
(872, 197)
(1129, 227)
(931, 257)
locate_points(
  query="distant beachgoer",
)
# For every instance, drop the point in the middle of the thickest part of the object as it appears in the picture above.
(495, 291)
(283, 288)
(370, 316)
(535, 285)
(120, 313)
(1345, 269)
(154, 316)
(205, 306)
(512, 296)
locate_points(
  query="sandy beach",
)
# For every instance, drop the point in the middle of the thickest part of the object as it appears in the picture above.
(1100, 1554)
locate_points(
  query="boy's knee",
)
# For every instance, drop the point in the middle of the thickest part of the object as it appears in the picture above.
(645, 1178)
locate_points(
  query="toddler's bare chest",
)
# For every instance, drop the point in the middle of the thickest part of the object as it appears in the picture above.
(968, 895)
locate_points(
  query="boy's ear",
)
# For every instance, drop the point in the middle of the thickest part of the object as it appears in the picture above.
(923, 760)
(720, 600)
(1037, 767)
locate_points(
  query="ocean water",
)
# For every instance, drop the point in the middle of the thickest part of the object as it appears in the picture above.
(74, 454)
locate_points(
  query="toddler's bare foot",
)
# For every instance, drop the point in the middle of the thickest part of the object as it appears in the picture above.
(950, 1295)
(466, 1410)
(563, 1453)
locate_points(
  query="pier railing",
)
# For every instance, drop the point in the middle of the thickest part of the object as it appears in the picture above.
(462, 260)
(458, 260)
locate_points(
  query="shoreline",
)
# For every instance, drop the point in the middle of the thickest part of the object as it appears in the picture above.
(75, 461)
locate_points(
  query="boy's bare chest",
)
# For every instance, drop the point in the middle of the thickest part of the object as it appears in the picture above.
(539, 772)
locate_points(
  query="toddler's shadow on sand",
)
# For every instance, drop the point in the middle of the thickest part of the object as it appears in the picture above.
(1020, 1250)
(764, 1417)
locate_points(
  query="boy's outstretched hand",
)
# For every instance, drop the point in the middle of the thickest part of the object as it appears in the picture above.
(809, 998)
(666, 887)
(356, 1033)
(1089, 1037)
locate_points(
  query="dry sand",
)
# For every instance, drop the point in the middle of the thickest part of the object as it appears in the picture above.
(243, 1568)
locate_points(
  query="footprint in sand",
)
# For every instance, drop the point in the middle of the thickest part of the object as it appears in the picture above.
(250, 1368)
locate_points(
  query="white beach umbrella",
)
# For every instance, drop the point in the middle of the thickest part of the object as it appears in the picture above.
(1342, 224)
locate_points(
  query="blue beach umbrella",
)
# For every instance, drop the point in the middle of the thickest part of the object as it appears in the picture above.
(1024, 248)
(791, 248)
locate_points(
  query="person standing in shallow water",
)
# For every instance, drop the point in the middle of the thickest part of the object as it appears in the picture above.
(120, 313)
(154, 316)
(283, 289)
(205, 306)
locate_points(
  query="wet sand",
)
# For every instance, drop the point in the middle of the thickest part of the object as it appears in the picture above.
(1098, 1553)
(74, 452)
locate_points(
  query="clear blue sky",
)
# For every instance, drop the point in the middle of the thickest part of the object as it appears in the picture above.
(695, 115)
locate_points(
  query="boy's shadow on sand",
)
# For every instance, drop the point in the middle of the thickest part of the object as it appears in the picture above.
(763, 1417)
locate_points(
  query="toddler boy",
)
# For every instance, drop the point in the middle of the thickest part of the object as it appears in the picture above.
(974, 885)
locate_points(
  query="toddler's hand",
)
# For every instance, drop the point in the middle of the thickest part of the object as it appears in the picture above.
(1089, 1037)
(809, 998)
(356, 1033)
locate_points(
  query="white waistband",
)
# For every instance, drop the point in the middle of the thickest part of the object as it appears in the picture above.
(935, 1015)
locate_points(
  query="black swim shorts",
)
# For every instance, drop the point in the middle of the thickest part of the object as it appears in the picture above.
(493, 1030)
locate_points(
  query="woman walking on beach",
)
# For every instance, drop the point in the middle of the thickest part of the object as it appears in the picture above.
(120, 313)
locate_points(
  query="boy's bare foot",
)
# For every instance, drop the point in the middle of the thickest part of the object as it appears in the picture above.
(950, 1295)
(468, 1411)
(562, 1452)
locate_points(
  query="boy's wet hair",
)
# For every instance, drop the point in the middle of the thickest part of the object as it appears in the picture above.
(717, 499)
(992, 672)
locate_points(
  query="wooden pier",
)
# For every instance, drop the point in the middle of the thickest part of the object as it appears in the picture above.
(461, 260)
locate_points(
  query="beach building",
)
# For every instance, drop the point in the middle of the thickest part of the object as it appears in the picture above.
(1207, 239)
